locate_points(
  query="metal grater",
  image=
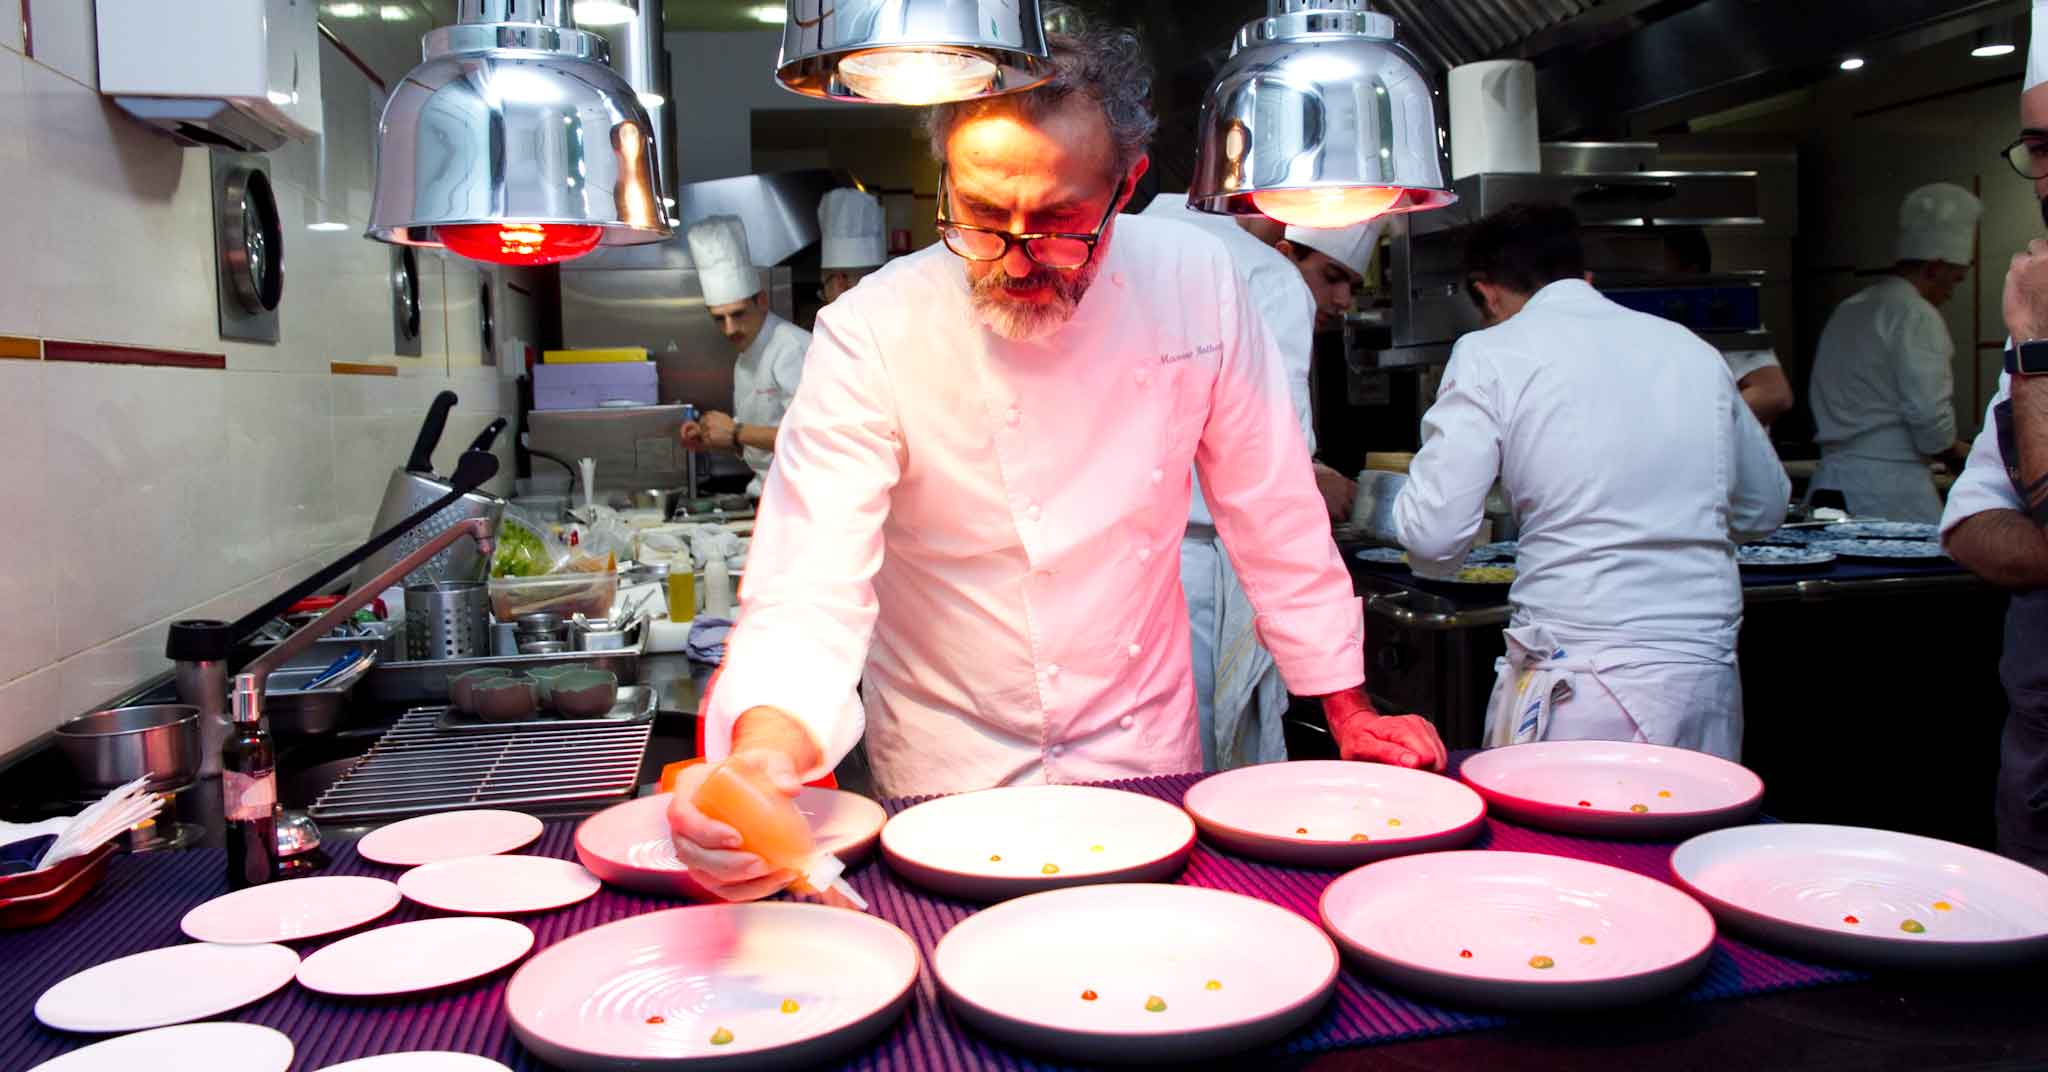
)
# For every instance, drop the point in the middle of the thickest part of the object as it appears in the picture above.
(416, 768)
(409, 492)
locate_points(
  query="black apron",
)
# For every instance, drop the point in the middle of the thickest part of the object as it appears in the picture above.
(2023, 669)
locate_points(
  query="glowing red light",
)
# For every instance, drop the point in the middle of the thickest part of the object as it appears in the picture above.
(521, 243)
(1327, 208)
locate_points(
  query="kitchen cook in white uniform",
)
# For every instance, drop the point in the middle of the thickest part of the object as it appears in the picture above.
(984, 482)
(851, 246)
(1882, 382)
(1634, 467)
(771, 349)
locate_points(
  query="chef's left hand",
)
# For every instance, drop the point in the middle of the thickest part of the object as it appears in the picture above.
(1338, 491)
(718, 430)
(1398, 740)
(2026, 293)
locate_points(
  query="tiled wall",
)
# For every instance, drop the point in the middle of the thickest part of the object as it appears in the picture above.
(137, 495)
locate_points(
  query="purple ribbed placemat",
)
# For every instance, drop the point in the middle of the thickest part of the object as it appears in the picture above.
(139, 905)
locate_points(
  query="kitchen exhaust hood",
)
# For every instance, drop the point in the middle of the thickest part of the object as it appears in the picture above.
(515, 143)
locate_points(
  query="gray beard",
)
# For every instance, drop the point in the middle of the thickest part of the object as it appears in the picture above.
(1027, 322)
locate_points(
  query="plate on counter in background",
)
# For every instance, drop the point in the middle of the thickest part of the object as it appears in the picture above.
(165, 986)
(629, 845)
(209, 1047)
(1883, 550)
(1519, 929)
(768, 985)
(1497, 551)
(996, 843)
(1613, 788)
(1381, 556)
(1875, 897)
(1323, 813)
(1767, 557)
(1489, 574)
(448, 836)
(1136, 972)
(291, 911)
(1883, 530)
(423, 955)
(499, 885)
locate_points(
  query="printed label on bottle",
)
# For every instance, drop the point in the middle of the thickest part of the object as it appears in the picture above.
(248, 796)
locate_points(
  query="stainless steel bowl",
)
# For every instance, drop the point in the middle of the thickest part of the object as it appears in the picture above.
(111, 748)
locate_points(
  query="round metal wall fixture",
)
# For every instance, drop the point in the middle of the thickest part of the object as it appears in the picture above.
(405, 301)
(252, 242)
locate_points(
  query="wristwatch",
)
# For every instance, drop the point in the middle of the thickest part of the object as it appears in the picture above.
(2028, 358)
(738, 448)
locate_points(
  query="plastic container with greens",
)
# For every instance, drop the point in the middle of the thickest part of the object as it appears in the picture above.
(523, 549)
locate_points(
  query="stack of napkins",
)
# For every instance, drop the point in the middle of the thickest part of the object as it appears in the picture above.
(115, 814)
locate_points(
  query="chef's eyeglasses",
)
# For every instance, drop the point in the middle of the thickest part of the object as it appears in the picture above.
(1048, 249)
(2028, 155)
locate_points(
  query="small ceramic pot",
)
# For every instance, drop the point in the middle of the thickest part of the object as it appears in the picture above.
(584, 693)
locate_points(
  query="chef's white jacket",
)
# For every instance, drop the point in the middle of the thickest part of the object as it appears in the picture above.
(1984, 484)
(1629, 460)
(1881, 396)
(983, 533)
(1743, 362)
(764, 382)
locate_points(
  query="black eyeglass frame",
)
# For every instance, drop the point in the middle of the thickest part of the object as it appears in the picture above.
(1010, 238)
(2036, 137)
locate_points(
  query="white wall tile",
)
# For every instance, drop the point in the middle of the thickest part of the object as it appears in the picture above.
(29, 707)
(28, 637)
(20, 290)
(10, 31)
(67, 39)
(91, 679)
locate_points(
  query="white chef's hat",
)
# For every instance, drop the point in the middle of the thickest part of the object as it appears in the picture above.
(718, 245)
(851, 222)
(1938, 222)
(2037, 47)
(1349, 246)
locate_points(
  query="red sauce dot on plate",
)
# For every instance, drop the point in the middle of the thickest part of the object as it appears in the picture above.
(1585, 803)
(1851, 919)
(1301, 830)
(1466, 953)
(1088, 995)
(657, 1020)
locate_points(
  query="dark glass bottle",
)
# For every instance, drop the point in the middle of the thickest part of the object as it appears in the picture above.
(248, 783)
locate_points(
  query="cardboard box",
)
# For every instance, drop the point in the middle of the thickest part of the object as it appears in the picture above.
(592, 385)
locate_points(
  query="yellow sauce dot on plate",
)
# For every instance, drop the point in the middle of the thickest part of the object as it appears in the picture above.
(721, 1037)
(1212, 984)
(1301, 830)
(1639, 808)
(1665, 793)
(1587, 939)
(995, 859)
(1360, 837)
(1541, 962)
(1913, 926)
(789, 1005)
(1155, 1003)
(1942, 906)
(1094, 848)
(1049, 869)
(1393, 822)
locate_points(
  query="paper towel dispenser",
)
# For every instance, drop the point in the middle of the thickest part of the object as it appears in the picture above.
(242, 76)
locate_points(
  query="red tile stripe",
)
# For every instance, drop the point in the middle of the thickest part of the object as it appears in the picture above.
(354, 368)
(104, 354)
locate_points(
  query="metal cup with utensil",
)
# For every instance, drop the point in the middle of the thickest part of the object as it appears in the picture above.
(447, 620)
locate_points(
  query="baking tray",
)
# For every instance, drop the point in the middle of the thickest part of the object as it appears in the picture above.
(635, 704)
(292, 708)
(424, 682)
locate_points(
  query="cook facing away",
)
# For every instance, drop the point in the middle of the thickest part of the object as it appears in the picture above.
(771, 349)
(979, 495)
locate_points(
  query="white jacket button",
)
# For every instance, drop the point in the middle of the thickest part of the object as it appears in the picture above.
(1033, 511)
(1013, 415)
(1158, 475)
(1144, 553)
(1058, 750)
(1126, 722)
(1133, 651)
(1052, 672)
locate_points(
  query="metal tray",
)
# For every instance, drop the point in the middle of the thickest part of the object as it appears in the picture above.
(635, 704)
(424, 682)
(293, 709)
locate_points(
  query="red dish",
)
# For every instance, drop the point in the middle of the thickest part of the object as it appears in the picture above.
(36, 898)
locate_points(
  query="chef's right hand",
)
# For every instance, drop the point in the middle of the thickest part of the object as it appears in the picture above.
(1338, 491)
(692, 435)
(775, 745)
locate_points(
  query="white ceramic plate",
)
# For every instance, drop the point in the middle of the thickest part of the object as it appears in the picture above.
(499, 885)
(420, 1061)
(1323, 813)
(998, 843)
(1883, 530)
(166, 986)
(1541, 931)
(629, 845)
(1883, 550)
(1613, 788)
(1765, 556)
(1853, 893)
(424, 955)
(1135, 972)
(1382, 556)
(291, 911)
(449, 836)
(765, 985)
(185, 1048)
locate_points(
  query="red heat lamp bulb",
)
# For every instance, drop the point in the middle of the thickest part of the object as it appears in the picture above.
(520, 243)
(1327, 208)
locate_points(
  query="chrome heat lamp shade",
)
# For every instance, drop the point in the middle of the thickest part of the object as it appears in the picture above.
(1317, 116)
(912, 51)
(514, 118)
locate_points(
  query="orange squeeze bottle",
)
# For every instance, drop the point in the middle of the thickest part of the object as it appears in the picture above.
(771, 827)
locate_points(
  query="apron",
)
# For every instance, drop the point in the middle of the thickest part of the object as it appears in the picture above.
(1239, 697)
(1531, 680)
(2022, 806)
(1543, 691)
(1892, 489)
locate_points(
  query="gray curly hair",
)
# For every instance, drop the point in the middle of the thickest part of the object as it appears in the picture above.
(1106, 64)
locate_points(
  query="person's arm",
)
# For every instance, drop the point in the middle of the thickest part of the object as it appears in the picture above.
(2004, 547)
(1761, 490)
(2026, 319)
(1767, 393)
(1438, 513)
(1926, 384)
(1987, 526)
(1255, 474)
(757, 436)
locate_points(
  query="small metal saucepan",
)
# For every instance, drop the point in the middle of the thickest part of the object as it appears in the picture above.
(111, 748)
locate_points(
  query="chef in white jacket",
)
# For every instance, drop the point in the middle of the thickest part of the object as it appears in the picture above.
(983, 485)
(1882, 384)
(771, 349)
(1633, 466)
(850, 243)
